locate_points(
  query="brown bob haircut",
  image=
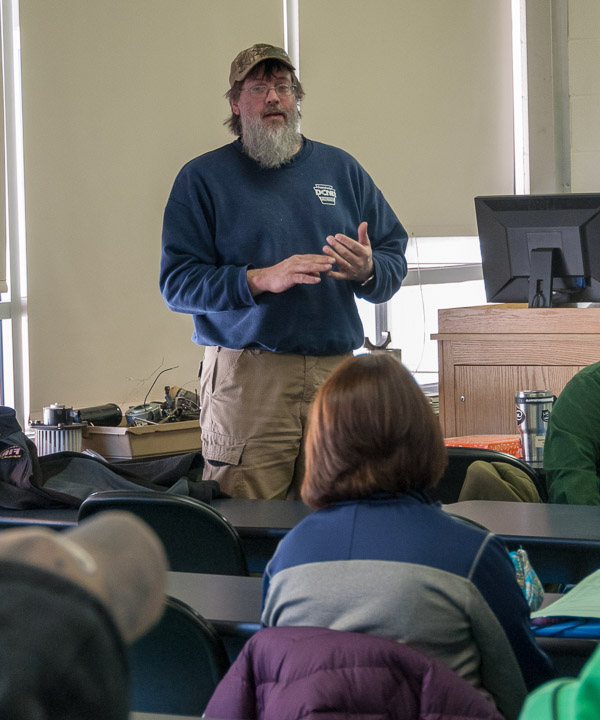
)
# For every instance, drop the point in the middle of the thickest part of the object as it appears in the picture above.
(269, 67)
(371, 430)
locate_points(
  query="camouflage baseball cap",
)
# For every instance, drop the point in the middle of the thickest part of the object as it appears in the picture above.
(247, 59)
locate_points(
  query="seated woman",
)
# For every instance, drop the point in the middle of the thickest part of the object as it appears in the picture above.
(379, 557)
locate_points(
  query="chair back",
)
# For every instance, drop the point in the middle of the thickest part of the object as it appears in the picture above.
(177, 665)
(196, 537)
(459, 459)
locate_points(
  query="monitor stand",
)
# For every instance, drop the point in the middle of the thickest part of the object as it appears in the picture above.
(541, 277)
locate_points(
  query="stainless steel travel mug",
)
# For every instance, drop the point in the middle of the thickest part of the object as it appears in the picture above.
(533, 412)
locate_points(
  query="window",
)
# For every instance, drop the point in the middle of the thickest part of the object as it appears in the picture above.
(13, 303)
(443, 272)
(446, 272)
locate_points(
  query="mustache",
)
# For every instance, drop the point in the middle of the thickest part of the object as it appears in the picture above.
(272, 110)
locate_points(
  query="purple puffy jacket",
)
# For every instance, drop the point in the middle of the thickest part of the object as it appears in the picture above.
(287, 673)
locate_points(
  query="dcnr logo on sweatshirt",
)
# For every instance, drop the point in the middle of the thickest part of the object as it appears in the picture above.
(325, 193)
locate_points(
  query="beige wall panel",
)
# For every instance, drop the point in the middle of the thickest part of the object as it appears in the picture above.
(585, 130)
(117, 95)
(584, 92)
(584, 18)
(420, 92)
(542, 138)
(585, 171)
(584, 60)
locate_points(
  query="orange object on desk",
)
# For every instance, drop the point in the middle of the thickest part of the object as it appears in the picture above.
(510, 444)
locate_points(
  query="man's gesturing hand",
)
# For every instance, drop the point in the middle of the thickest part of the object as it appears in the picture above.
(354, 258)
(295, 270)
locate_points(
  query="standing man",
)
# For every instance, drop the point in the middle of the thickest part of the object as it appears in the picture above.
(266, 241)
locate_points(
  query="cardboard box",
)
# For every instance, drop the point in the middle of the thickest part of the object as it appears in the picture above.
(510, 444)
(130, 443)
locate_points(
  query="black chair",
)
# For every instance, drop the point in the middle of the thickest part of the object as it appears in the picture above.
(196, 537)
(459, 459)
(177, 665)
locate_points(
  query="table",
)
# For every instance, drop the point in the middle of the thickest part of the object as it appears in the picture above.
(56, 518)
(251, 518)
(562, 541)
(260, 523)
(262, 518)
(155, 716)
(233, 603)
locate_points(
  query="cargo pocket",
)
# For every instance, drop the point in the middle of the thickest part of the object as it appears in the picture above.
(220, 449)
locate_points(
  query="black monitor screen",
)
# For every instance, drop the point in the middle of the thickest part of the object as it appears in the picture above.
(540, 249)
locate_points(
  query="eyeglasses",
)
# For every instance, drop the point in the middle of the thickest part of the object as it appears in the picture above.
(261, 91)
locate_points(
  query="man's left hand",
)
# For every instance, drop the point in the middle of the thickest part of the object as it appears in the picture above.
(354, 258)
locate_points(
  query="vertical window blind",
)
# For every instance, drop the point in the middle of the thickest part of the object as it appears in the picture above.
(420, 91)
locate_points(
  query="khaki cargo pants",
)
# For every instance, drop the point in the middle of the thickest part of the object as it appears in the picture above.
(254, 410)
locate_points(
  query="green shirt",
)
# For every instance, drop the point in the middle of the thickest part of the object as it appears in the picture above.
(567, 698)
(572, 447)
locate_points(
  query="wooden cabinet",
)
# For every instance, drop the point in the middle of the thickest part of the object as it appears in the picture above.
(487, 353)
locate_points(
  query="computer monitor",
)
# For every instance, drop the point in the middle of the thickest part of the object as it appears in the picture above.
(540, 249)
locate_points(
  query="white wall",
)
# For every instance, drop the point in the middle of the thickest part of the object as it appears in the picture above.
(118, 95)
(544, 171)
(564, 95)
(420, 91)
(584, 94)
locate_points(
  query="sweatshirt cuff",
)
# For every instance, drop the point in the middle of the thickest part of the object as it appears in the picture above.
(246, 299)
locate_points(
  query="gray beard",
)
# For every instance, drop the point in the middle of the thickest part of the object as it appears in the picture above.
(271, 147)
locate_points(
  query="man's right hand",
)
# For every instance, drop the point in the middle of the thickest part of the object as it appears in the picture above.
(295, 270)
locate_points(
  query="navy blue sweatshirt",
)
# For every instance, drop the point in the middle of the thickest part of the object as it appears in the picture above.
(226, 214)
(403, 568)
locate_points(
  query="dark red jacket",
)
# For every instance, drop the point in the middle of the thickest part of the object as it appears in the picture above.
(287, 673)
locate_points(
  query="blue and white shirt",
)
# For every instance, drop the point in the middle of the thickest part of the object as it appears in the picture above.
(403, 568)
